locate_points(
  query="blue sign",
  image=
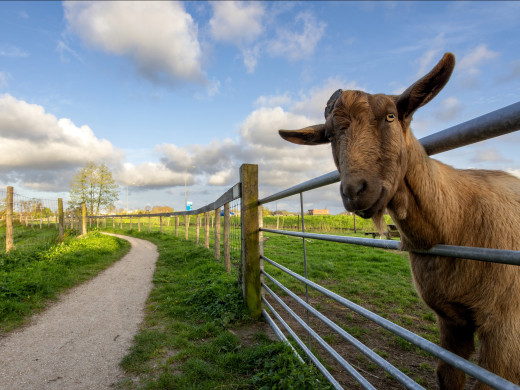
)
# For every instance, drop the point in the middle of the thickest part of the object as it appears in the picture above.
(189, 206)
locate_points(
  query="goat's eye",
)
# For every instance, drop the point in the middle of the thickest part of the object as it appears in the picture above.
(390, 117)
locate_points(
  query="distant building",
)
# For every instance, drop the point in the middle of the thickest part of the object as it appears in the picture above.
(319, 212)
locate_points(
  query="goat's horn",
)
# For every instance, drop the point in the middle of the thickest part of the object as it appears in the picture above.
(331, 102)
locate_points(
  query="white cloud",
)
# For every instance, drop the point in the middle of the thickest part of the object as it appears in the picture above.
(33, 141)
(236, 22)
(468, 66)
(449, 109)
(12, 51)
(476, 57)
(273, 100)
(297, 45)
(3, 80)
(149, 174)
(159, 37)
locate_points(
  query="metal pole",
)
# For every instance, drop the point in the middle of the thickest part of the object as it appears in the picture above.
(305, 269)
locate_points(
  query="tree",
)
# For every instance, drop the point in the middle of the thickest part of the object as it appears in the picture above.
(94, 186)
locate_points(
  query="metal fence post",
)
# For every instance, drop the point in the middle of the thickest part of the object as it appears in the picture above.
(60, 219)
(250, 239)
(217, 233)
(9, 220)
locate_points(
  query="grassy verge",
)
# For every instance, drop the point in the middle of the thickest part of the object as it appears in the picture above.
(31, 277)
(197, 334)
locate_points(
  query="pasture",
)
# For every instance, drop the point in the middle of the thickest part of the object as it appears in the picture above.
(378, 279)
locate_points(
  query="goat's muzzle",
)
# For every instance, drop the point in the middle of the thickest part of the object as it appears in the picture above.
(363, 196)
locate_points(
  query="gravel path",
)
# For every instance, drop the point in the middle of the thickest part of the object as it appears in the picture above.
(79, 341)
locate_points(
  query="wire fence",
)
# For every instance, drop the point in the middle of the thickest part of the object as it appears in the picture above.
(289, 314)
(213, 226)
(34, 221)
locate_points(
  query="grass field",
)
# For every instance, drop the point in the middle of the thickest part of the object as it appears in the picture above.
(34, 275)
(377, 279)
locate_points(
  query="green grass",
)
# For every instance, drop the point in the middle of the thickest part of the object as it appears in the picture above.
(174, 343)
(197, 333)
(33, 276)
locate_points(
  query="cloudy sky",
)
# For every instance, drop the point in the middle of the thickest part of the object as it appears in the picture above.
(168, 93)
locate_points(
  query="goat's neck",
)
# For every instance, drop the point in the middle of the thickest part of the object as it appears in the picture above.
(418, 199)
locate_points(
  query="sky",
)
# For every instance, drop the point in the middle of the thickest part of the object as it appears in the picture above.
(174, 96)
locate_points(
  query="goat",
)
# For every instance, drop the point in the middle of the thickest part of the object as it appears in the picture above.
(382, 166)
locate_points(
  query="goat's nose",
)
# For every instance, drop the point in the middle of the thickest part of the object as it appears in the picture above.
(355, 188)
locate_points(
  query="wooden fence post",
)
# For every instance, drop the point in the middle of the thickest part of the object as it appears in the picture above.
(250, 271)
(105, 222)
(9, 244)
(197, 229)
(138, 224)
(206, 229)
(130, 223)
(176, 226)
(60, 219)
(160, 222)
(97, 223)
(83, 219)
(217, 233)
(227, 252)
(186, 226)
(113, 222)
(149, 224)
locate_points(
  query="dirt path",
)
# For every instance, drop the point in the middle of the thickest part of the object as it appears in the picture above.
(79, 341)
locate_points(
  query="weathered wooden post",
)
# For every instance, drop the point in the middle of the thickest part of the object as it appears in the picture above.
(138, 224)
(250, 271)
(130, 222)
(176, 226)
(60, 219)
(97, 223)
(121, 222)
(9, 244)
(169, 218)
(83, 219)
(186, 226)
(227, 251)
(197, 229)
(149, 224)
(105, 222)
(217, 233)
(113, 222)
(206, 229)
(160, 222)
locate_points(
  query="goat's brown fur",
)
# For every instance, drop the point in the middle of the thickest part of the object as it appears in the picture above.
(383, 166)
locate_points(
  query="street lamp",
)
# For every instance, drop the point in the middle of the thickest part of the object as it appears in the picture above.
(186, 186)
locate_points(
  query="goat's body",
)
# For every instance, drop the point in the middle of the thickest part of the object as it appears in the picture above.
(466, 208)
(382, 165)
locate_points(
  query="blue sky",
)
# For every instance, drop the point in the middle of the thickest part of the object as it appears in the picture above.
(167, 92)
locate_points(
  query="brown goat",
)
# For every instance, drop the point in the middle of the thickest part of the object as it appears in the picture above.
(382, 166)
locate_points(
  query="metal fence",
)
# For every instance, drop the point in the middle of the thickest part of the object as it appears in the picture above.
(497, 123)
(216, 225)
(27, 222)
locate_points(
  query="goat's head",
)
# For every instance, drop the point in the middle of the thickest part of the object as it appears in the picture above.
(368, 135)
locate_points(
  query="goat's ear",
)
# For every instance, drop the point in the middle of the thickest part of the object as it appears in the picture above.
(312, 135)
(425, 89)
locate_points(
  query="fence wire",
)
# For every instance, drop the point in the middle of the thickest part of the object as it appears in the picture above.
(35, 221)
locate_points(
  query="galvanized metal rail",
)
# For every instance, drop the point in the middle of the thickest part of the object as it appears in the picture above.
(496, 123)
